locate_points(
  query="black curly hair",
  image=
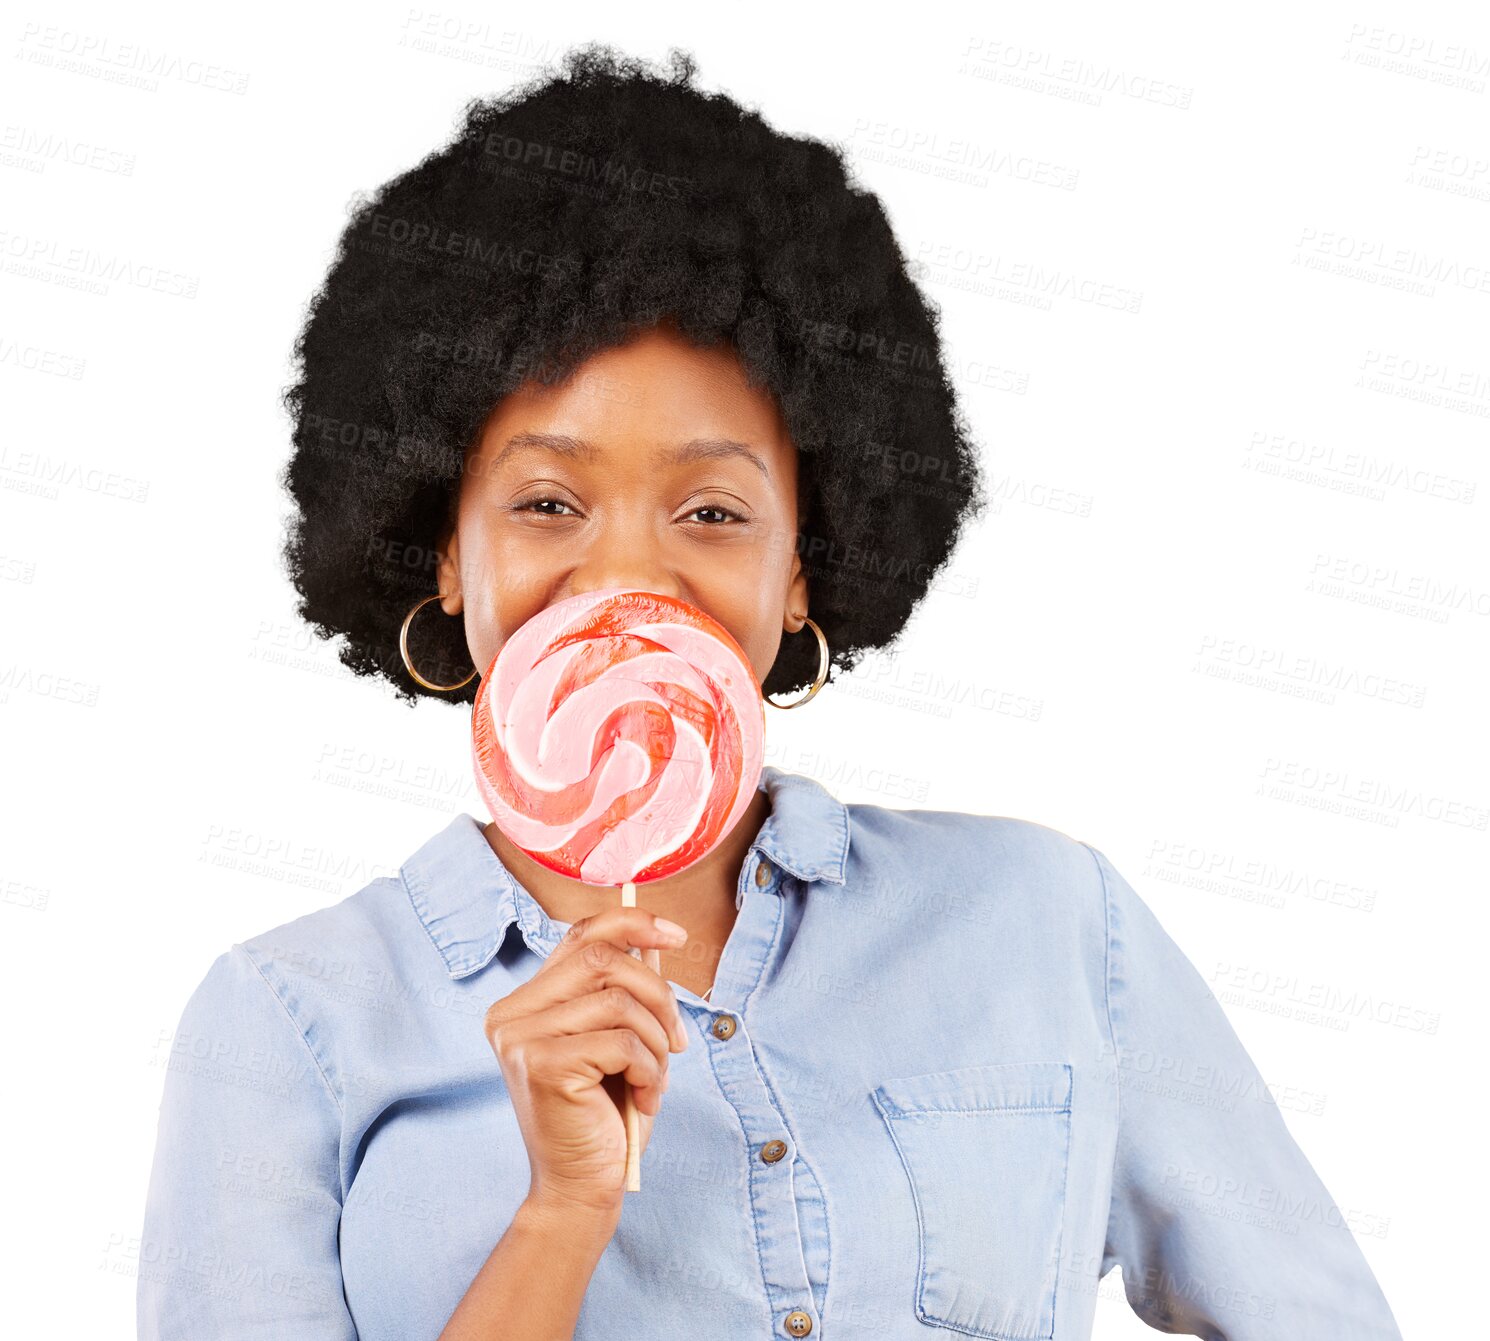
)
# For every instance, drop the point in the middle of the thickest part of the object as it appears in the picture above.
(561, 219)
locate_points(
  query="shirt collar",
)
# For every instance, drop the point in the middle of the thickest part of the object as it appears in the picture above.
(466, 898)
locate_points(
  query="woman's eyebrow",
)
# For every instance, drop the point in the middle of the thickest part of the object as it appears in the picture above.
(703, 449)
(696, 449)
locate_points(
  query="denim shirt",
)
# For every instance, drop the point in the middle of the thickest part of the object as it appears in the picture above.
(952, 1071)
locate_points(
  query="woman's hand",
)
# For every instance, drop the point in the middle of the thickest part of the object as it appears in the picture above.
(565, 1039)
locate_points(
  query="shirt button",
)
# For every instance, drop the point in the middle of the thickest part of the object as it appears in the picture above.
(724, 1026)
(772, 1151)
(763, 877)
(798, 1323)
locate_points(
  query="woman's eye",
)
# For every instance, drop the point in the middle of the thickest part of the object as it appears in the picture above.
(724, 513)
(532, 504)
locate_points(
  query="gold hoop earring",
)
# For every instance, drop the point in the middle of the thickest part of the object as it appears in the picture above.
(822, 670)
(403, 650)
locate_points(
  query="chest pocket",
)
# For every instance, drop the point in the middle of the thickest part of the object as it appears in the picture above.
(985, 1149)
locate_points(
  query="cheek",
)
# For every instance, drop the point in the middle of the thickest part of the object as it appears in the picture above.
(763, 655)
(752, 614)
(500, 592)
(747, 593)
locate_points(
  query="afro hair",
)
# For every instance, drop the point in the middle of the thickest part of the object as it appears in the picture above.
(561, 219)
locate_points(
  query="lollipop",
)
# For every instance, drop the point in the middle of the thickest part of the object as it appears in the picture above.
(618, 736)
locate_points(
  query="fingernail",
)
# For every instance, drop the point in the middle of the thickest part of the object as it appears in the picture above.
(672, 929)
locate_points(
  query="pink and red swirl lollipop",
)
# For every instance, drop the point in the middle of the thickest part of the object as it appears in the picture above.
(618, 736)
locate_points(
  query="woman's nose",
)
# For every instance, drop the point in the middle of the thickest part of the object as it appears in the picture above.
(624, 577)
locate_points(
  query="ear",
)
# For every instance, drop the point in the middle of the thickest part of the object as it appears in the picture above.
(796, 598)
(447, 570)
(796, 584)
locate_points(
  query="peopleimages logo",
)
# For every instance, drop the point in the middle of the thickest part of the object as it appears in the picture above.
(1241, 984)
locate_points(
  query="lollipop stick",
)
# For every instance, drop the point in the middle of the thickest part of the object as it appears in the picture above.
(628, 1109)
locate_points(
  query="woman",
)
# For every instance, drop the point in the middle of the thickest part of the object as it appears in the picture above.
(934, 1068)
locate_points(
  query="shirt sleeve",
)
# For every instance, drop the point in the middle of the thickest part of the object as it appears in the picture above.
(243, 1207)
(1220, 1224)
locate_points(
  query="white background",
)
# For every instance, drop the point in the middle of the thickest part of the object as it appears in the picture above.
(1233, 530)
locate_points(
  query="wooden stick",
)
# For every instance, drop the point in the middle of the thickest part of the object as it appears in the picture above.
(628, 1109)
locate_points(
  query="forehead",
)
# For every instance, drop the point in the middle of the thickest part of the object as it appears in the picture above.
(655, 391)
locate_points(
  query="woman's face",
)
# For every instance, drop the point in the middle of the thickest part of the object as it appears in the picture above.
(655, 466)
